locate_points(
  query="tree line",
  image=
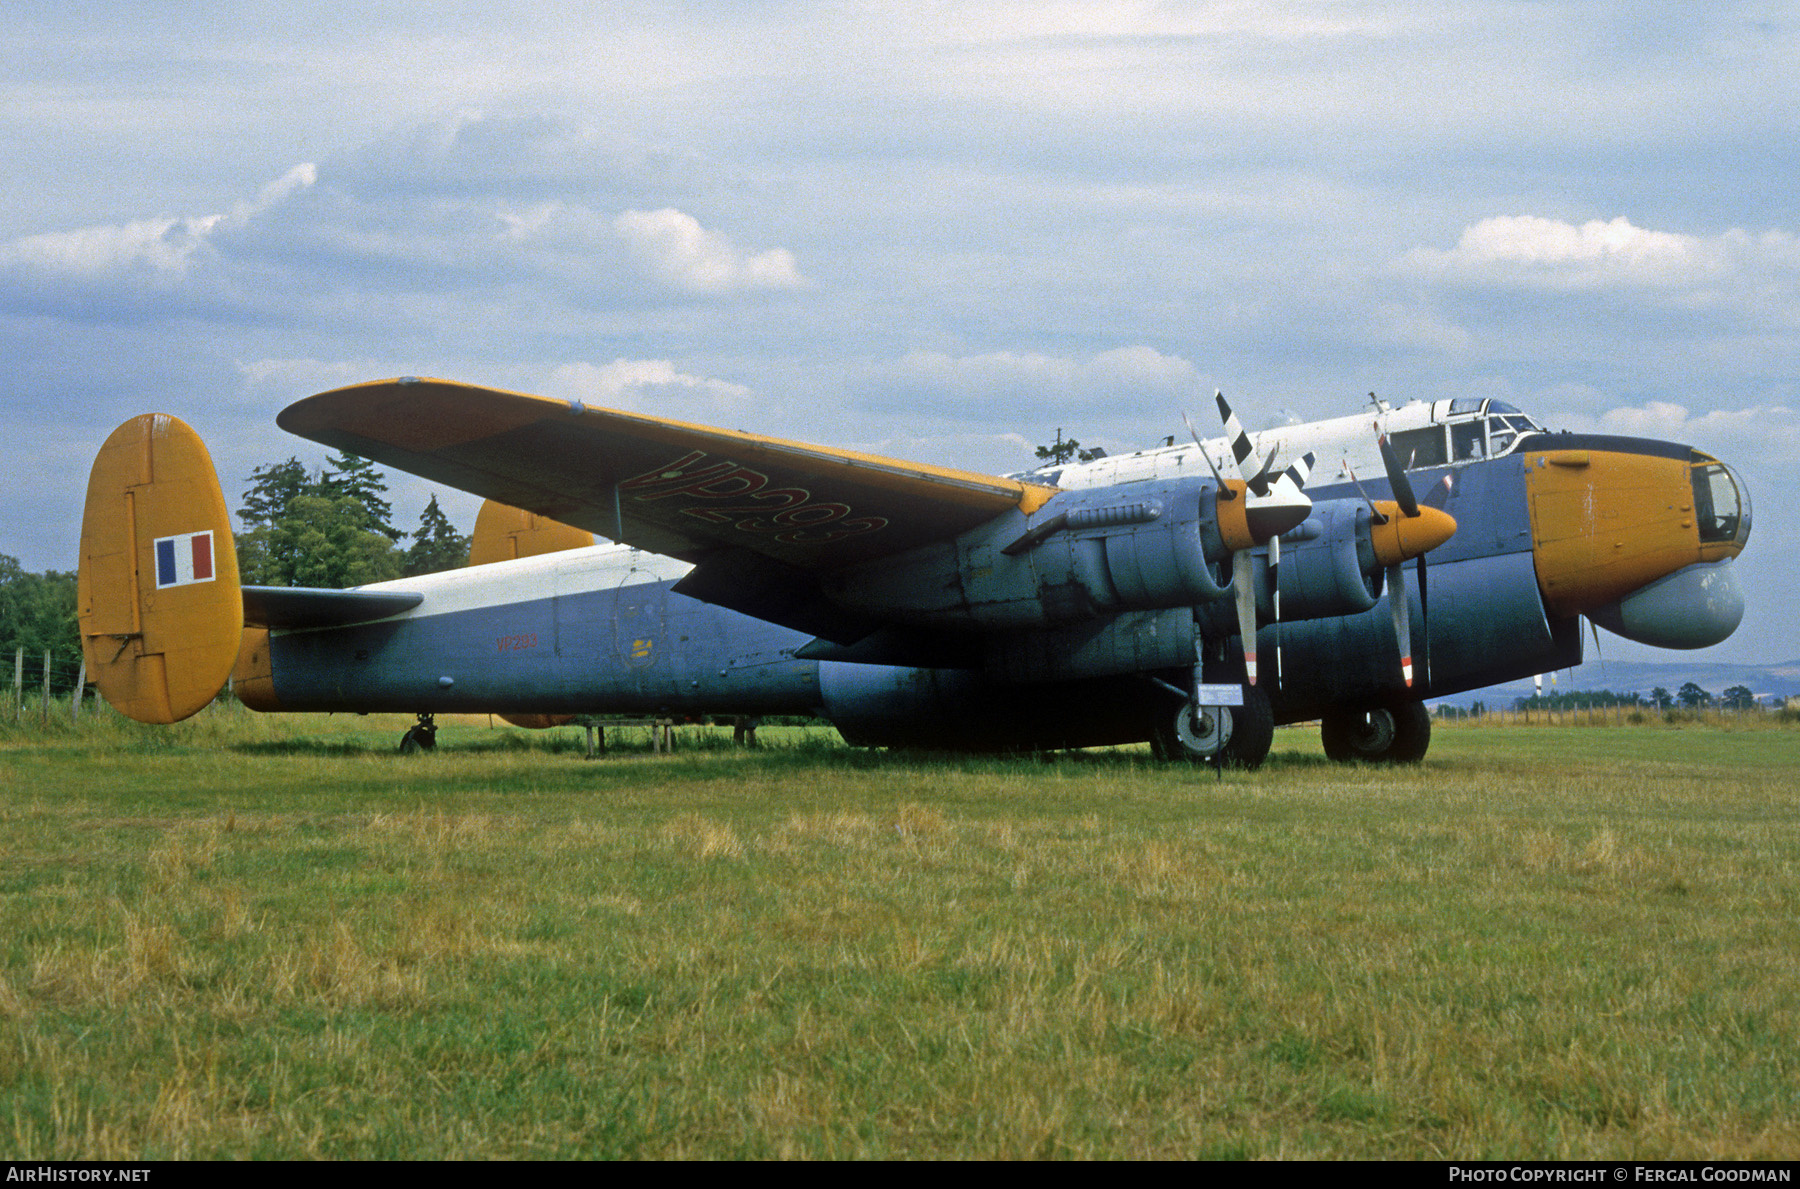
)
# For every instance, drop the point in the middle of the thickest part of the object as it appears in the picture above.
(1690, 696)
(331, 527)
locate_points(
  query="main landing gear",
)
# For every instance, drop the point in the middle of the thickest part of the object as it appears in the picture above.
(1239, 735)
(421, 736)
(1377, 735)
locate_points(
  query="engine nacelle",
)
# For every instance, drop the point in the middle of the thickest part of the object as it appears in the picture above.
(1328, 567)
(1083, 555)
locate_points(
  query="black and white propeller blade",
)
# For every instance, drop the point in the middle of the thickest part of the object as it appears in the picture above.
(1273, 503)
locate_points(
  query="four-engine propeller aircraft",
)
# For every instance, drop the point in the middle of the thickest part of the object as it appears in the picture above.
(1113, 601)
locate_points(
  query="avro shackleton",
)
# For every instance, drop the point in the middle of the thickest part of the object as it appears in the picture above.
(911, 605)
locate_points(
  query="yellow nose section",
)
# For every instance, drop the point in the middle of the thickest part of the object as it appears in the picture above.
(1404, 537)
(1605, 523)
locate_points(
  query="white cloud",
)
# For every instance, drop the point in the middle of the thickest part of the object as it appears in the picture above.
(1134, 369)
(631, 382)
(1009, 385)
(677, 251)
(165, 246)
(1536, 252)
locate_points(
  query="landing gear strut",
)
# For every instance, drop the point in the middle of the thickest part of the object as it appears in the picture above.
(1377, 735)
(421, 736)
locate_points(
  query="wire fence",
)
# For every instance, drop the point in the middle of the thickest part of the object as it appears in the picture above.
(45, 682)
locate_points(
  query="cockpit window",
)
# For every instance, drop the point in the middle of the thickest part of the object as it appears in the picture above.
(1468, 441)
(1421, 447)
(1465, 404)
(1721, 504)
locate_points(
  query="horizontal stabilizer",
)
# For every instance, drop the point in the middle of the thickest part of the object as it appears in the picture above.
(310, 607)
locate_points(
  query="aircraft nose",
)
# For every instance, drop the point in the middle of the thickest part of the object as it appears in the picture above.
(1613, 517)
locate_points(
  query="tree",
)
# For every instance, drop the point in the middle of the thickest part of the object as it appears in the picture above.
(1661, 698)
(346, 474)
(436, 544)
(1063, 451)
(271, 488)
(330, 542)
(1738, 697)
(1693, 697)
(310, 531)
(37, 612)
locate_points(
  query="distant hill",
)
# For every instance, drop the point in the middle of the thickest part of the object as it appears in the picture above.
(1781, 679)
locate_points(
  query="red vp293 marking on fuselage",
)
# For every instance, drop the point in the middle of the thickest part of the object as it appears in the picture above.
(736, 495)
(514, 643)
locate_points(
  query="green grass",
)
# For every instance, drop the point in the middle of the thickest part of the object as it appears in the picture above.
(248, 936)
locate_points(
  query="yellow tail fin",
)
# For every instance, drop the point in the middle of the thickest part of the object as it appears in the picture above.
(503, 533)
(160, 609)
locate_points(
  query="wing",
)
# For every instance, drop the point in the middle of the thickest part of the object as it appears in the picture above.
(759, 516)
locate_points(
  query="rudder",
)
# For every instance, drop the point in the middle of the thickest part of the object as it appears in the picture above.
(160, 609)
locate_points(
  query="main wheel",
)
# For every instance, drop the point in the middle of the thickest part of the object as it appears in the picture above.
(1378, 735)
(1239, 735)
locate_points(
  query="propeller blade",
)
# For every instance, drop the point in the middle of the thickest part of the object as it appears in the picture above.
(1424, 620)
(1374, 512)
(1242, 450)
(1242, 580)
(1396, 580)
(1403, 492)
(1225, 493)
(1301, 471)
(1275, 600)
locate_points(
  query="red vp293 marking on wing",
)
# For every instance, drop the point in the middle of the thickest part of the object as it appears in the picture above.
(749, 504)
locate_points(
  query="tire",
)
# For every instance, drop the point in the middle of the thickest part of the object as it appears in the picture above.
(417, 739)
(1378, 735)
(1249, 731)
(1252, 731)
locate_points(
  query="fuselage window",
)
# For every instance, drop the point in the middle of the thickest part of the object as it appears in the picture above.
(1421, 447)
(1468, 441)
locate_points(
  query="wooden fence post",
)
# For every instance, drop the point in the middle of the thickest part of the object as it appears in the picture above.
(19, 683)
(45, 712)
(80, 689)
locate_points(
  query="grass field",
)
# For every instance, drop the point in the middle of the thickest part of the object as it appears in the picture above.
(269, 937)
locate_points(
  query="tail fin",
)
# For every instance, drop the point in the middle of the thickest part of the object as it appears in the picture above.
(503, 533)
(160, 608)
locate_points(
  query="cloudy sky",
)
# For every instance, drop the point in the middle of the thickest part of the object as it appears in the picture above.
(934, 229)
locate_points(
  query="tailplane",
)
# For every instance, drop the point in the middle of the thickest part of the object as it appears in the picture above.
(160, 609)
